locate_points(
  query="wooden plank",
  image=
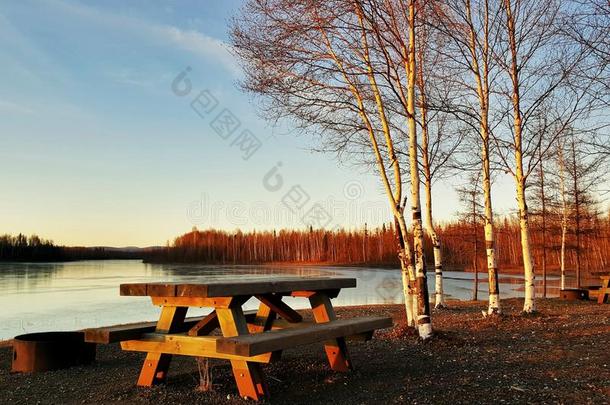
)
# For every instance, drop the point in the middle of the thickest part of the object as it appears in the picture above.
(604, 290)
(255, 344)
(161, 289)
(263, 321)
(248, 376)
(193, 290)
(205, 326)
(593, 294)
(199, 346)
(332, 293)
(246, 286)
(360, 337)
(130, 331)
(253, 287)
(302, 294)
(279, 307)
(155, 367)
(284, 324)
(133, 289)
(336, 349)
(117, 333)
(219, 302)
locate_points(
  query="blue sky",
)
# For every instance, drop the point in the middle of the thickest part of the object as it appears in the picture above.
(96, 148)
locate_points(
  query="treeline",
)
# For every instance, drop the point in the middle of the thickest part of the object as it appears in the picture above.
(378, 246)
(22, 248)
(587, 247)
(32, 248)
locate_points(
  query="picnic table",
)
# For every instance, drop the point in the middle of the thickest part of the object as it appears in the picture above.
(248, 339)
(604, 290)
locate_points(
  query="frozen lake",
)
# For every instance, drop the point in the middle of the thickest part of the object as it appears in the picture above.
(74, 295)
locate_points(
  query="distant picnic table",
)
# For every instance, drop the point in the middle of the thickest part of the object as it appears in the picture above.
(248, 339)
(604, 290)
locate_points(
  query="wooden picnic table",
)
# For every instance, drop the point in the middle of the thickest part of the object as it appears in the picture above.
(247, 339)
(604, 290)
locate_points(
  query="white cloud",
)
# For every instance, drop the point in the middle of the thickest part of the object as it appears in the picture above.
(203, 45)
(193, 41)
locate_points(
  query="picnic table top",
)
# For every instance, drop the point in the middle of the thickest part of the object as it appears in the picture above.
(230, 288)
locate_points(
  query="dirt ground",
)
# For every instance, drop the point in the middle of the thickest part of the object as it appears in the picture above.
(560, 355)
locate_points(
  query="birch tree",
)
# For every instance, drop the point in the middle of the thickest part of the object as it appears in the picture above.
(539, 71)
(564, 210)
(583, 174)
(329, 68)
(393, 24)
(439, 136)
(545, 197)
(471, 28)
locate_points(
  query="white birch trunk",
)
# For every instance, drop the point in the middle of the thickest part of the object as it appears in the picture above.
(481, 74)
(493, 306)
(406, 290)
(529, 305)
(407, 270)
(426, 167)
(436, 244)
(564, 230)
(564, 216)
(438, 277)
(423, 305)
(406, 259)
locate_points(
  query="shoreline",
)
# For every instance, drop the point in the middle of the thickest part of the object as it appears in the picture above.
(509, 270)
(556, 355)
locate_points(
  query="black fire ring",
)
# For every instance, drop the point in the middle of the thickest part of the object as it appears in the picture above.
(45, 351)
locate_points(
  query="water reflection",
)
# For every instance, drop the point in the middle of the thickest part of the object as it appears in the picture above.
(75, 295)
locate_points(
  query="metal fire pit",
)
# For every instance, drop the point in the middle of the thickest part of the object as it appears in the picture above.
(51, 351)
(573, 294)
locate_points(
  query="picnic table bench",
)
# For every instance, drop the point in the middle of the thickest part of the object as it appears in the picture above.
(248, 338)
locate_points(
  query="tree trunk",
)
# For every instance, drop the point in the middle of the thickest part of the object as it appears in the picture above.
(577, 211)
(490, 241)
(529, 305)
(439, 301)
(475, 292)
(406, 267)
(436, 242)
(481, 74)
(423, 305)
(543, 213)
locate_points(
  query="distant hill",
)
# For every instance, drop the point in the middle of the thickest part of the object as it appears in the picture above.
(24, 248)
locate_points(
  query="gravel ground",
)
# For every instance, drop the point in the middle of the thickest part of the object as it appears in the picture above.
(560, 355)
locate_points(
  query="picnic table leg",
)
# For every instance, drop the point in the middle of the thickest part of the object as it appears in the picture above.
(248, 376)
(603, 291)
(336, 349)
(264, 319)
(154, 369)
